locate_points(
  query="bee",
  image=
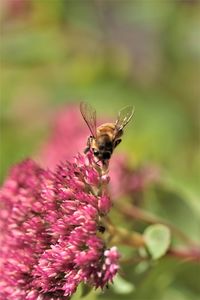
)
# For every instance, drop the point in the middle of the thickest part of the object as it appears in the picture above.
(106, 137)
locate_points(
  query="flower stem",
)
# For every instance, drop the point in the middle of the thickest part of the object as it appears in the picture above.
(188, 254)
(139, 214)
(120, 235)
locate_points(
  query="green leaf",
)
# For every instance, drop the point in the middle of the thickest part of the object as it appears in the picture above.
(85, 289)
(81, 293)
(157, 238)
(121, 286)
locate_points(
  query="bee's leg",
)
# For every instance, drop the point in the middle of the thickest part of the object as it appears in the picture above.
(88, 145)
(98, 162)
(86, 149)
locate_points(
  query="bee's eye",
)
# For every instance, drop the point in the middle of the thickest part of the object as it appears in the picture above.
(96, 152)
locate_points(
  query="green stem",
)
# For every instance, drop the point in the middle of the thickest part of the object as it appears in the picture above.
(139, 214)
(122, 236)
(188, 254)
(136, 240)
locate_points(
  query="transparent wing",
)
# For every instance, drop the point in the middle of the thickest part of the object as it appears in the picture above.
(124, 116)
(89, 115)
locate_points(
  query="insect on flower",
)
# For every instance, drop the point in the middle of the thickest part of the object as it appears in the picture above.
(105, 138)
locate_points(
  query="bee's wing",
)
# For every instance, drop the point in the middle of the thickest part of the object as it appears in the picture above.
(124, 116)
(89, 115)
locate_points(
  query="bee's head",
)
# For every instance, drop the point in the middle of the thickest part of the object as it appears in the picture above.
(104, 143)
(106, 155)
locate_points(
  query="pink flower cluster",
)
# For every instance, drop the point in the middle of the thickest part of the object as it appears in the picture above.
(52, 231)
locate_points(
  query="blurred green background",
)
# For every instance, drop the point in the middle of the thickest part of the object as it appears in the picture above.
(110, 53)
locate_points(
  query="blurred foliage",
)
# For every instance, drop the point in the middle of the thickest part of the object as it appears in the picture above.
(112, 53)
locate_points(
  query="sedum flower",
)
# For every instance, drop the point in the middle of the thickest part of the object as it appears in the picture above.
(51, 239)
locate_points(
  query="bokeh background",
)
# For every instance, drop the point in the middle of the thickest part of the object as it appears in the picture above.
(112, 53)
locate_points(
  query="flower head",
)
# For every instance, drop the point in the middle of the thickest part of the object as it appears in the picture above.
(51, 240)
